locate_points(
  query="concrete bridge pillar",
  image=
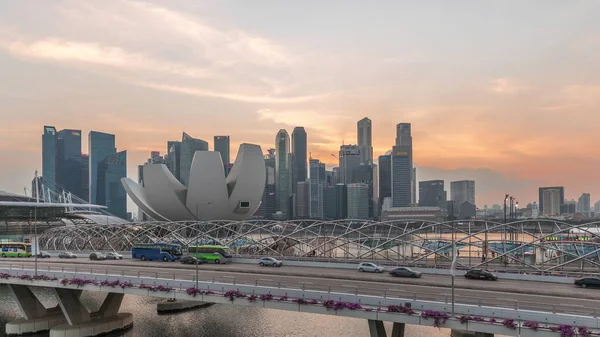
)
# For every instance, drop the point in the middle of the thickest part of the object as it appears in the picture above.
(29, 304)
(68, 300)
(398, 329)
(376, 328)
(110, 306)
(461, 333)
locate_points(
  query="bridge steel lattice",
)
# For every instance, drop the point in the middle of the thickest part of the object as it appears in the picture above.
(540, 245)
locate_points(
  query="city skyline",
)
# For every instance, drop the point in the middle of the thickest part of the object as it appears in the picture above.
(495, 104)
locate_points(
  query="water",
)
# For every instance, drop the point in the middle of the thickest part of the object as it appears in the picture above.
(220, 320)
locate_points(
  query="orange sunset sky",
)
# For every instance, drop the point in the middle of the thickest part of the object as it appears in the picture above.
(503, 92)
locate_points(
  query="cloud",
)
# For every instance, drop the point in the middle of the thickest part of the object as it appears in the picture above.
(507, 86)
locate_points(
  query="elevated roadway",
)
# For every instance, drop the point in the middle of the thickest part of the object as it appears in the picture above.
(515, 294)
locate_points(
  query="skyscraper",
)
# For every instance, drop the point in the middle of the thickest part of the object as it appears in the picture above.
(557, 196)
(302, 200)
(461, 191)
(402, 167)
(330, 202)
(432, 194)
(349, 160)
(299, 156)
(49, 156)
(110, 172)
(584, 203)
(316, 189)
(364, 140)
(173, 158)
(221, 145)
(71, 164)
(385, 178)
(267, 206)
(100, 146)
(413, 186)
(358, 201)
(189, 146)
(282, 171)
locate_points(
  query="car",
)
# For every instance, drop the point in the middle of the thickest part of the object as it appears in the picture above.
(369, 267)
(405, 272)
(270, 261)
(96, 256)
(480, 274)
(67, 255)
(189, 260)
(43, 255)
(114, 256)
(592, 282)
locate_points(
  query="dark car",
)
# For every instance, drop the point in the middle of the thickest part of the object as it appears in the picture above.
(405, 272)
(585, 282)
(43, 255)
(67, 255)
(95, 256)
(190, 260)
(480, 274)
(114, 256)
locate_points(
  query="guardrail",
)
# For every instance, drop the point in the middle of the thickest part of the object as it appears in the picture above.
(486, 307)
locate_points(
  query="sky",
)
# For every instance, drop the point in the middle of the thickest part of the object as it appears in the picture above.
(503, 92)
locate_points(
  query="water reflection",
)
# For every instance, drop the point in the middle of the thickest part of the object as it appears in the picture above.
(219, 320)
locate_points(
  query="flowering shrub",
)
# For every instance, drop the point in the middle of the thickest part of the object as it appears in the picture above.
(126, 285)
(25, 277)
(564, 329)
(314, 302)
(79, 282)
(532, 325)
(352, 306)
(331, 304)
(584, 331)
(478, 319)
(44, 278)
(266, 297)
(160, 288)
(465, 318)
(283, 299)
(300, 301)
(107, 283)
(252, 298)
(510, 323)
(401, 309)
(492, 320)
(232, 294)
(439, 317)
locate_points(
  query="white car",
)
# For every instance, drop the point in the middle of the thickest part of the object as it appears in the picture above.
(370, 267)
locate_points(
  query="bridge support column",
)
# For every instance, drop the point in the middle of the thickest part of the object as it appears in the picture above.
(376, 328)
(68, 300)
(82, 323)
(461, 333)
(398, 329)
(37, 318)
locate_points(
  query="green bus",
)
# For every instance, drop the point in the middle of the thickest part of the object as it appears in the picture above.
(216, 254)
(15, 249)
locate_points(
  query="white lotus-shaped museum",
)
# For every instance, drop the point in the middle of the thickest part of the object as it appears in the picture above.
(209, 195)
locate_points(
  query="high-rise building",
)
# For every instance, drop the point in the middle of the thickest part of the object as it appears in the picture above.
(173, 158)
(402, 167)
(413, 186)
(341, 196)
(349, 160)
(316, 188)
(364, 174)
(330, 202)
(110, 172)
(432, 194)
(555, 207)
(597, 208)
(100, 146)
(569, 207)
(189, 146)
(282, 171)
(358, 201)
(299, 156)
(302, 200)
(385, 178)
(330, 179)
(266, 209)
(71, 164)
(461, 191)
(222, 145)
(584, 203)
(49, 156)
(365, 140)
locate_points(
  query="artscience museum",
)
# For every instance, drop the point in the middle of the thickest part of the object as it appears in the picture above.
(209, 194)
